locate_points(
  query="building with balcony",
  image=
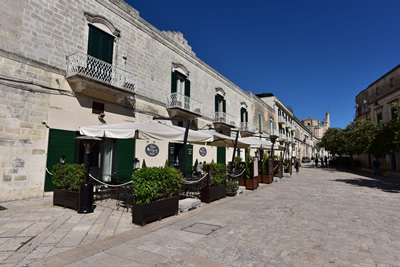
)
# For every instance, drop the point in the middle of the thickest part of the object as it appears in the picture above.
(378, 103)
(110, 67)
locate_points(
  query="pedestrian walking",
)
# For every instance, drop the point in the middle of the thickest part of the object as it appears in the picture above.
(316, 162)
(326, 161)
(297, 165)
(322, 161)
(377, 167)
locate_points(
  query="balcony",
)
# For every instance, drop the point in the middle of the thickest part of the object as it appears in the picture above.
(282, 137)
(224, 118)
(274, 133)
(281, 120)
(288, 124)
(87, 72)
(183, 106)
(247, 128)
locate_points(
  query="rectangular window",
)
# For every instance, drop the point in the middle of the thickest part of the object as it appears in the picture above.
(100, 44)
(378, 117)
(97, 107)
(259, 123)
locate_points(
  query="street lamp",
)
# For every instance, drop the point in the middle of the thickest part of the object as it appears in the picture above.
(86, 188)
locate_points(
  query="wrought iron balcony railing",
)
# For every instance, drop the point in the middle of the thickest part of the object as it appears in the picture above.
(96, 69)
(248, 127)
(223, 117)
(177, 100)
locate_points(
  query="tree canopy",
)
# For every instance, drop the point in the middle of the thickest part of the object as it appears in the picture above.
(363, 137)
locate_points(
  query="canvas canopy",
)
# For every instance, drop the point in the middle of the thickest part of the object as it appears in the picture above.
(255, 142)
(144, 130)
(222, 140)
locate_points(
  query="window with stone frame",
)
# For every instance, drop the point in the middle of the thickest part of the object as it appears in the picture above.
(379, 117)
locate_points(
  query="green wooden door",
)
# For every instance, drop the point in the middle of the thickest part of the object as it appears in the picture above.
(221, 155)
(189, 159)
(171, 154)
(100, 44)
(61, 143)
(125, 155)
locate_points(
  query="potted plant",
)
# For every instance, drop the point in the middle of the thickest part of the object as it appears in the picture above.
(216, 182)
(66, 179)
(267, 177)
(231, 188)
(248, 179)
(155, 191)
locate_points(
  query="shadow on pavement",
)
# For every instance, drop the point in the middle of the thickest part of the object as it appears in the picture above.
(386, 184)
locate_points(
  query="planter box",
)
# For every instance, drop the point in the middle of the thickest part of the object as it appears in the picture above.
(66, 199)
(267, 179)
(144, 213)
(212, 193)
(250, 184)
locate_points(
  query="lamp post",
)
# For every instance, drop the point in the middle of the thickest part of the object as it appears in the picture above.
(282, 143)
(86, 188)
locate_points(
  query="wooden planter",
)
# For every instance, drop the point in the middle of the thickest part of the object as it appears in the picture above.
(266, 179)
(144, 213)
(212, 193)
(250, 184)
(66, 199)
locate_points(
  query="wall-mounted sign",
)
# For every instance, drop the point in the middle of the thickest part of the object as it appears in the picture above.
(203, 151)
(171, 150)
(152, 150)
(190, 151)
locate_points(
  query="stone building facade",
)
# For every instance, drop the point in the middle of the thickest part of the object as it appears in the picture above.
(67, 64)
(377, 103)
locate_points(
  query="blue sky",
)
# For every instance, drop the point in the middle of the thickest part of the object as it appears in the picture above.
(314, 55)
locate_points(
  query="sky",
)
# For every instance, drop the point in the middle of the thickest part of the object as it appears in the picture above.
(313, 55)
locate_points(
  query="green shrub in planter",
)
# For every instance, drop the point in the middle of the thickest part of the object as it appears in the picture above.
(232, 186)
(154, 183)
(218, 173)
(248, 174)
(68, 176)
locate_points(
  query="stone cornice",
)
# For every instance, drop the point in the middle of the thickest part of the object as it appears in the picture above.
(121, 10)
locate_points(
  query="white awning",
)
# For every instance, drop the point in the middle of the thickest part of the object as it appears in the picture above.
(255, 142)
(144, 130)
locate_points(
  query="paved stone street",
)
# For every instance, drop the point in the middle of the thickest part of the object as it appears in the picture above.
(318, 217)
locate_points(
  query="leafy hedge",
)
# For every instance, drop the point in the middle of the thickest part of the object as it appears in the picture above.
(68, 176)
(218, 173)
(153, 183)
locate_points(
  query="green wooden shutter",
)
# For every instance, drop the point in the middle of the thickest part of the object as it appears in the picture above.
(259, 123)
(100, 44)
(242, 110)
(221, 155)
(188, 160)
(60, 143)
(171, 154)
(124, 158)
(216, 103)
(187, 88)
(223, 105)
(174, 78)
(247, 115)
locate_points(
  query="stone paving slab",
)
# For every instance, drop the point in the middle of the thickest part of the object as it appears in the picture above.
(318, 217)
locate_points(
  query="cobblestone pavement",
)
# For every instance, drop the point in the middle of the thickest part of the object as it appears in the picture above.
(318, 217)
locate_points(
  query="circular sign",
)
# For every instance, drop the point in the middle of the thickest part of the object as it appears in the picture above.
(203, 151)
(152, 150)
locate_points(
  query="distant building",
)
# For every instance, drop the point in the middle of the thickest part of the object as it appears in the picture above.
(316, 128)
